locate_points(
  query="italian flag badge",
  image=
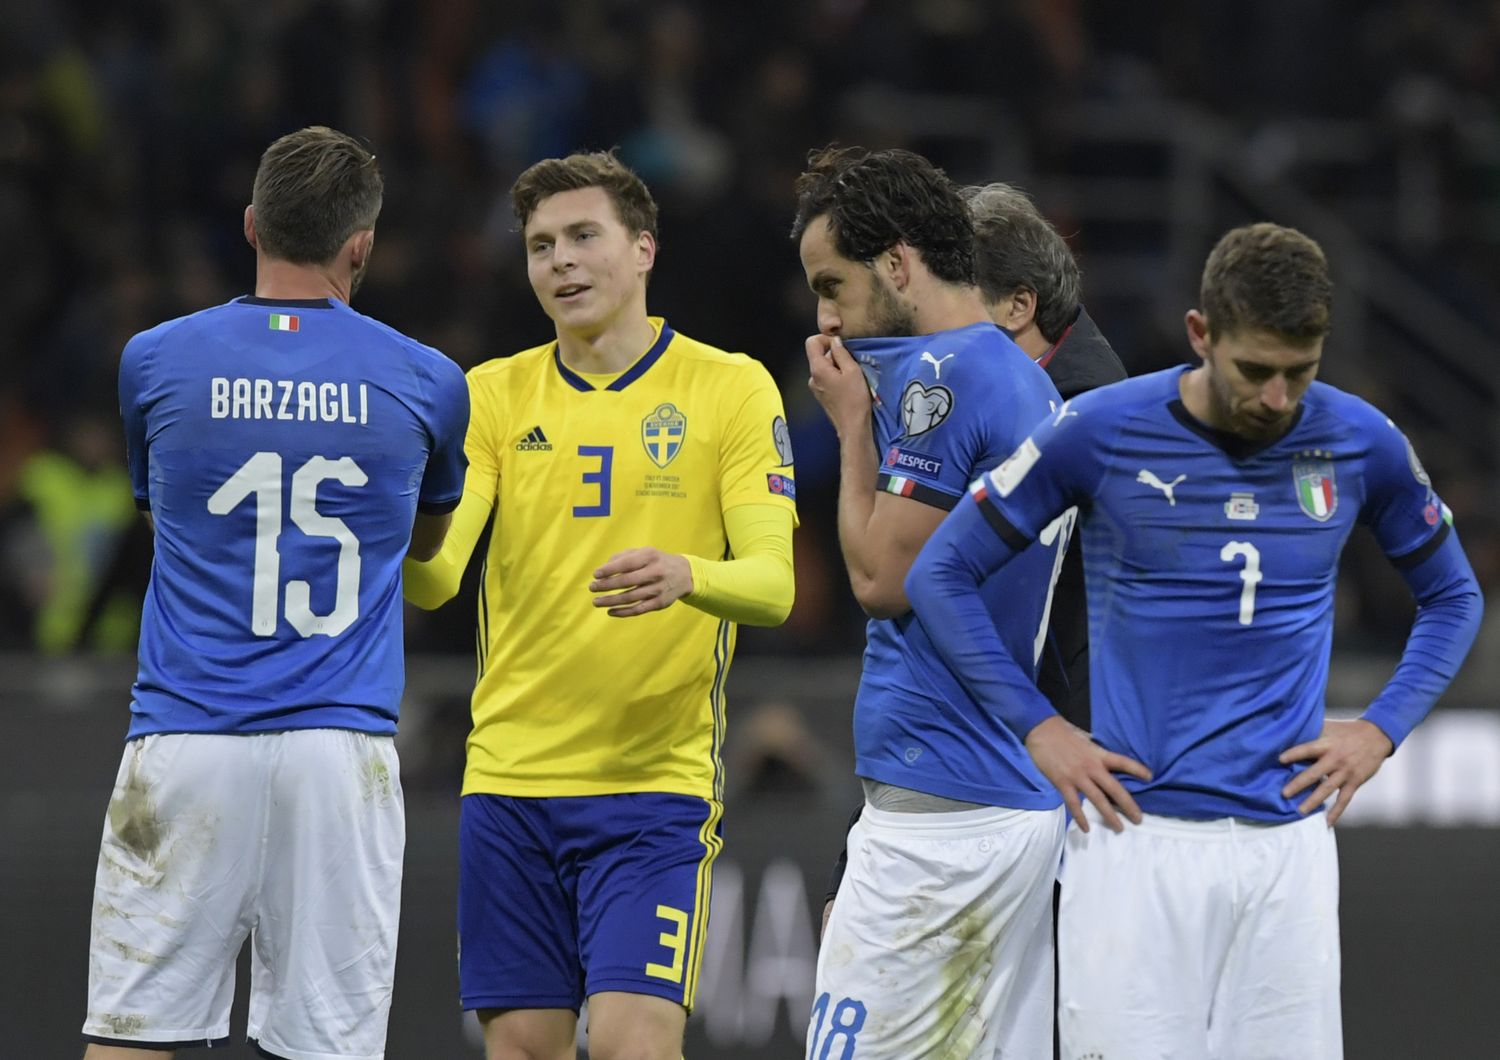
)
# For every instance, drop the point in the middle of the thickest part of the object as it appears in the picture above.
(285, 322)
(1317, 495)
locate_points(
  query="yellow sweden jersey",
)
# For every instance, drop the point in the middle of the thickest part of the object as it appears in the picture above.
(570, 701)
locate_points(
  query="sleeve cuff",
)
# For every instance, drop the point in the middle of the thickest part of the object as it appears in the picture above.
(917, 491)
(1388, 724)
(697, 572)
(438, 507)
(1033, 713)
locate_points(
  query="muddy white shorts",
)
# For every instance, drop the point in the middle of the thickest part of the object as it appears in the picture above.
(293, 840)
(1200, 940)
(940, 943)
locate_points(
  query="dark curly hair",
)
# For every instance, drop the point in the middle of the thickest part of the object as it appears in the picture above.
(876, 199)
(1264, 277)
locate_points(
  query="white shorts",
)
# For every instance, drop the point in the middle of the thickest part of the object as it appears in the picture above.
(293, 839)
(1200, 940)
(940, 942)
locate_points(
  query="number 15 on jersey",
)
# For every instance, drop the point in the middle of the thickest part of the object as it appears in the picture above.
(261, 476)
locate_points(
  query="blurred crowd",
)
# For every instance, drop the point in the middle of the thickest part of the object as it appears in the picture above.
(129, 135)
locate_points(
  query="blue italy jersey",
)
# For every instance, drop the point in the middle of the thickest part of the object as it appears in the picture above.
(947, 406)
(1210, 565)
(283, 450)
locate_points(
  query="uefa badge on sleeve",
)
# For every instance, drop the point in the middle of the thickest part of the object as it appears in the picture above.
(1317, 495)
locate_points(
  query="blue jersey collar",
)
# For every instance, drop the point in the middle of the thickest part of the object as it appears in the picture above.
(286, 303)
(630, 375)
(1233, 445)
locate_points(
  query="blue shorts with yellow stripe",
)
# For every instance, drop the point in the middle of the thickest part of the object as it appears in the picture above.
(562, 898)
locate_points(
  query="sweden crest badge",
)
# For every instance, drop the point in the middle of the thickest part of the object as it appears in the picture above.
(662, 433)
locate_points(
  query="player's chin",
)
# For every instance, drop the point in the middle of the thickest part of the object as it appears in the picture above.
(575, 314)
(1259, 428)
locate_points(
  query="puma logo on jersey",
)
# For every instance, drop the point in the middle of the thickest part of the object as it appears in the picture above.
(936, 362)
(1149, 478)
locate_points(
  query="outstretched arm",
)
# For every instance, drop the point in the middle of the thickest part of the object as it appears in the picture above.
(433, 582)
(427, 534)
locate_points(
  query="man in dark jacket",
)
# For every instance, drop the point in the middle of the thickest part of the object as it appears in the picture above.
(1031, 286)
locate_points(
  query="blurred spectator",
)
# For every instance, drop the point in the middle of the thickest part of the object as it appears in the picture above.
(73, 504)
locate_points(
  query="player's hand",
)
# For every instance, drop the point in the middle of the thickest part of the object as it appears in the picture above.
(1344, 757)
(1081, 769)
(836, 380)
(641, 580)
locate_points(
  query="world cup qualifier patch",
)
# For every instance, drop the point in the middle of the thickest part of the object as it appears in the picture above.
(782, 486)
(924, 407)
(781, 437)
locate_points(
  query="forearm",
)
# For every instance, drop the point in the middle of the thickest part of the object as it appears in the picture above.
(943, 587)
(859, 467)
(432, 583)
(1449, 609)
(757, 586)
(873, 555)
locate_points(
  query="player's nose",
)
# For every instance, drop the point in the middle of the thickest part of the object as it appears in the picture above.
(829, 321)
(1274, 394)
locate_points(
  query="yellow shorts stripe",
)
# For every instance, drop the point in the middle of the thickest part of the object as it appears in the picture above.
(722, 650)
(702, 892)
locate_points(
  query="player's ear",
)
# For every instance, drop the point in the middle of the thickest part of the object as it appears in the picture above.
(895, 264)
(250, 226)
(645, 251)
(360, 245)
(1197, 332)
(1016, 311)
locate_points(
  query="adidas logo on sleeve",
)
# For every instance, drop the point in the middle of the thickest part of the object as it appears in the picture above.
(534, 442)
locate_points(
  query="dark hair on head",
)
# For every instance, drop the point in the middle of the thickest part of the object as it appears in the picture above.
(632, 200)
(1264, 277)
(1015, 246)
(314, 189)
(876, 199)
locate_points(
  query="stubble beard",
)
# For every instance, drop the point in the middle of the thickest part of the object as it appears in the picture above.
(888, 317)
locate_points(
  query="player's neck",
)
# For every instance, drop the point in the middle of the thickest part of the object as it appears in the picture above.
(285, 281)
(1196, 392)
(945, 306)
(611, 350)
